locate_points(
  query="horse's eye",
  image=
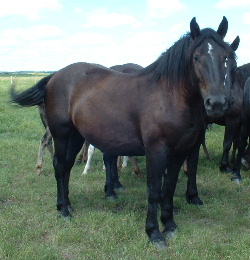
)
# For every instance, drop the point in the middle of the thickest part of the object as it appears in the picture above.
(196, 57)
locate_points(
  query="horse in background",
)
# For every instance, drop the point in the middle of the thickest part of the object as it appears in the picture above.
(244, 132)
(157, 112)
(86, 153)
(125, 68)
(232, 118)
(90, 150)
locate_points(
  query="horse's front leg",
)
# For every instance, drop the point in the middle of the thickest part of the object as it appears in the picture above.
(244, 134)
(191, 172)
(156, 158)
(230, 131)
(168, 188)
(112, 180)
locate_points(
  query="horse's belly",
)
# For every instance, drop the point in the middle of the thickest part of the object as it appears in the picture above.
(115, 138)
(117, 146)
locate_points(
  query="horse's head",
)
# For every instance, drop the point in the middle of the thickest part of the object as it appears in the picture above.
(214, 62)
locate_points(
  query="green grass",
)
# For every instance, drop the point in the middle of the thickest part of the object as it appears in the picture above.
(30, 227)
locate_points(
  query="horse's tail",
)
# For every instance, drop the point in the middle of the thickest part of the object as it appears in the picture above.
(32, 96)
(246, 100)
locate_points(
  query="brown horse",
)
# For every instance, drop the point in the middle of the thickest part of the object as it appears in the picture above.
(47, 142)
(156, 112)
(244, 133)
(232, 118)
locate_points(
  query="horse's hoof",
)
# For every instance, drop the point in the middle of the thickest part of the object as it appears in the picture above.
(226, 169)
(70, 209)
(160, 245)
(111, 198)
(195, 201)
(120, 189)
(236, 179)
(170, 231)
(158, 240)
(65, 217)
(170, 234)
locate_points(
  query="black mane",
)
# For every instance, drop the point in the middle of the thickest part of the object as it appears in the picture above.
(174, 64)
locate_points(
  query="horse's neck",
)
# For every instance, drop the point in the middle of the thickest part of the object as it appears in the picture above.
(188, 97)
(192, 96)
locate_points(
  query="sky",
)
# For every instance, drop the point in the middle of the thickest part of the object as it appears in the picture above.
(48, 35)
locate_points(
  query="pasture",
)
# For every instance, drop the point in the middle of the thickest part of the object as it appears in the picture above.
(31, 229)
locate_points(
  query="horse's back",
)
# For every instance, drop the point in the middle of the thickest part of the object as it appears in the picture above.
(70, 82)
(127, 68)
(67, 84)
(100, 103)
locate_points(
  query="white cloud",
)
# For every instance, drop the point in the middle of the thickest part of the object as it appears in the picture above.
(32, 33)
(243, 50)
(225, 4)
(162, 8)
(89, 38)
(103, 19)
(78, 10)
(29, 8)
(246, 18)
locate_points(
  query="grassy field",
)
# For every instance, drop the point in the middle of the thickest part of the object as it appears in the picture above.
(30, 227)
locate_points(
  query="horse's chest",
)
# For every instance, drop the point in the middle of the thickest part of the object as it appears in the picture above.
(185, 135)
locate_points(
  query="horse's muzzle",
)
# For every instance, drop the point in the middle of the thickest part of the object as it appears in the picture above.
(216, 106)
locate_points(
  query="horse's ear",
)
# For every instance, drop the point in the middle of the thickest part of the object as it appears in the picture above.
(222, 29)
(194, 29)
(235, 44)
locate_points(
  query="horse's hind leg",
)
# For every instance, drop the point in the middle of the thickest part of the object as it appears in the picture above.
(205, 148)
(41, 152)
(45, 142)
(66, 149)
(50, 146)
(83, 156)
(112, 180)
(91, 151)
(137, 170)
(125, 161)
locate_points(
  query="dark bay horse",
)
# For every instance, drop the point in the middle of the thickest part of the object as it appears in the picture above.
(47, 142)
(232, 118)
(156, 112)
(245, 131)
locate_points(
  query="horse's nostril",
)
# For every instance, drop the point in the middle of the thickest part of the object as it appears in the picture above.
(208, 102)
(216, 104)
